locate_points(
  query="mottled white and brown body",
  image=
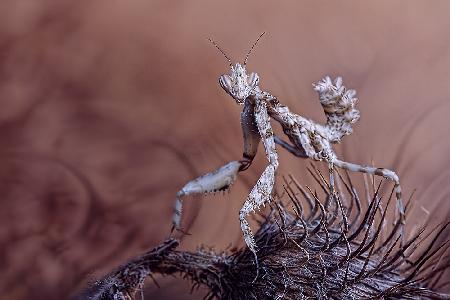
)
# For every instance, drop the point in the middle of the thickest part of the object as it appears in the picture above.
(309, 140)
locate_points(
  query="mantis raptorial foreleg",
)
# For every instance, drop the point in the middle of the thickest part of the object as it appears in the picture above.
(262, 191)
(222, 178)
(218, 180)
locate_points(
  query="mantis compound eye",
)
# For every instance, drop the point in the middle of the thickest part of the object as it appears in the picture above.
(225, 83)
(234, 87)
(253, 80)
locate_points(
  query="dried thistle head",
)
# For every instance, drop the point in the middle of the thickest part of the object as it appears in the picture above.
(308, 249)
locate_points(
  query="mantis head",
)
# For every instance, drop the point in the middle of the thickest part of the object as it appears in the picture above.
(238, 84)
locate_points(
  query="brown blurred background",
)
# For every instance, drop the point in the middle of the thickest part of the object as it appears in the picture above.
(109, 107)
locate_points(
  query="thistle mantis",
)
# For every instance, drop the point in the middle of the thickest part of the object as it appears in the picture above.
(308, 140)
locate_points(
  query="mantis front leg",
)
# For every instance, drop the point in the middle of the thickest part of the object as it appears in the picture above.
(262, 191)
(222, 178)
(218, 180)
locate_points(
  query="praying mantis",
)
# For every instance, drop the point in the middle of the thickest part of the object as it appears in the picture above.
(308, 139)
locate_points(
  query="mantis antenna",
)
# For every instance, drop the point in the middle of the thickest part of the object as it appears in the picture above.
(250, 51)
(217, 46)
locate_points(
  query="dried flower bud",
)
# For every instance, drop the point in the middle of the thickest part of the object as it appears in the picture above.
(311, 252)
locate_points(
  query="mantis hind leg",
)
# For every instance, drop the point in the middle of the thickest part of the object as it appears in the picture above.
(386, 173)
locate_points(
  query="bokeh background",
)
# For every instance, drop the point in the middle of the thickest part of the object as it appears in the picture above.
(108, 107)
